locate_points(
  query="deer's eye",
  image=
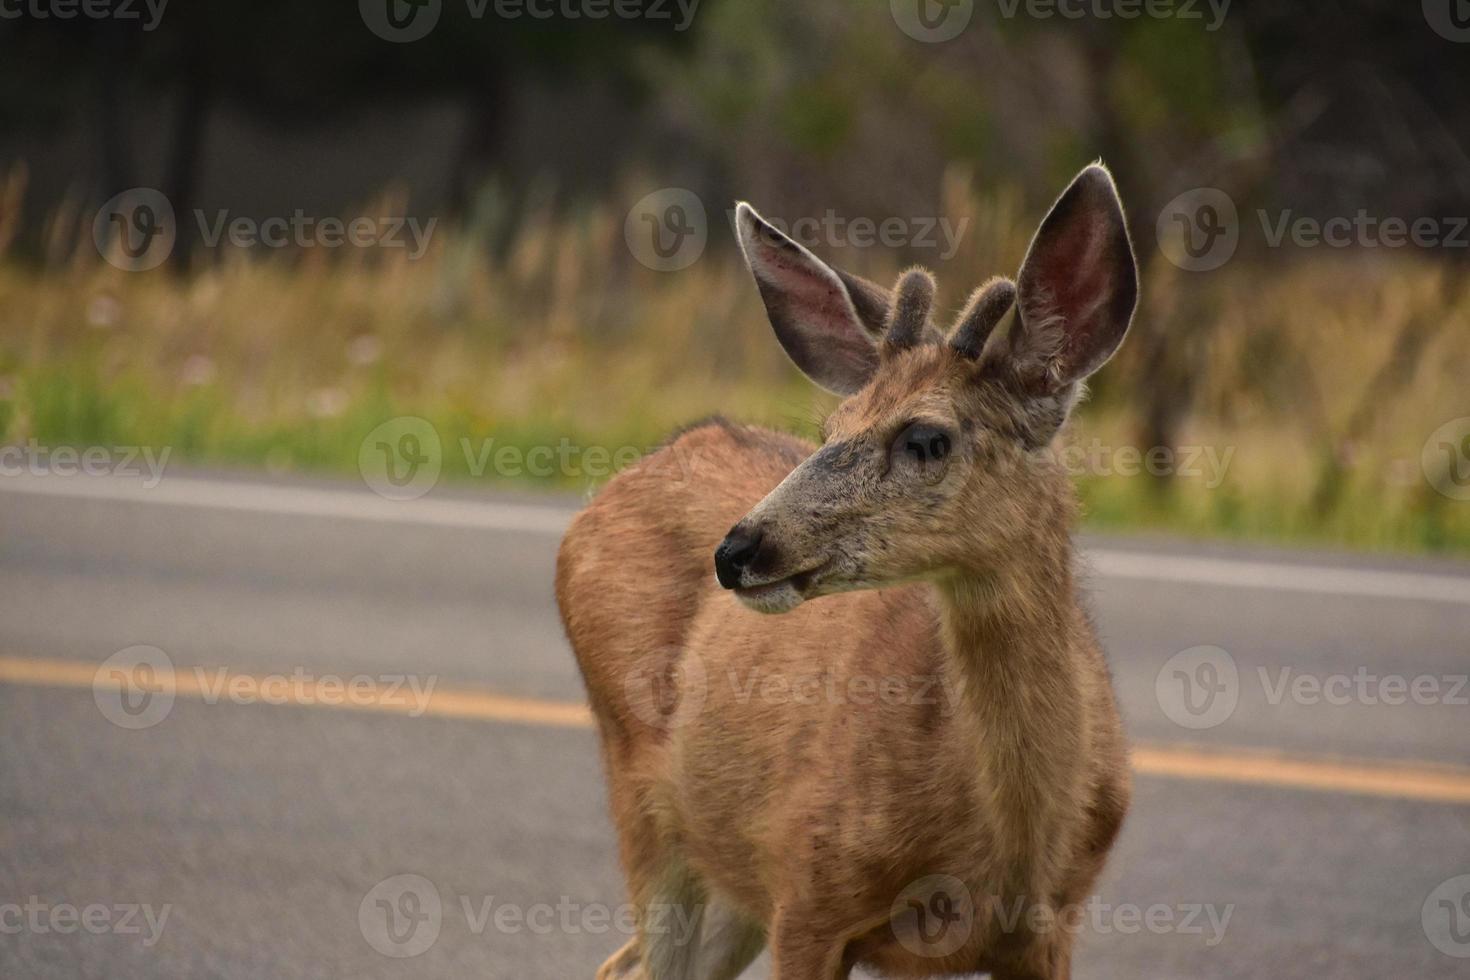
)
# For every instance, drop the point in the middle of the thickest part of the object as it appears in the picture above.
(922, 443)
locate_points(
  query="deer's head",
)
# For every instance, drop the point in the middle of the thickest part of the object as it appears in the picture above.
(940, 457)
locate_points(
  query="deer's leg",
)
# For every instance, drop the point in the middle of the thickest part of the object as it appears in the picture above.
(640, 851)
(1061, 971)
(728, 942)
(671, 921)
(724, 941)
(1028, 974)
(1043, 961)
(625, 964)
(802, 951)
(670, 909)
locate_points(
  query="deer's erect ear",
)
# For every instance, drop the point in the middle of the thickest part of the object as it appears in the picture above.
(829, 322)
(1077, 288)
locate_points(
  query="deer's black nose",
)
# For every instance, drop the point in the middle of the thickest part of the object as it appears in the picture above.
(735, 554)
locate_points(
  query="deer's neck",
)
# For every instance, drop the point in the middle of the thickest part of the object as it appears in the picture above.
(1011, 640)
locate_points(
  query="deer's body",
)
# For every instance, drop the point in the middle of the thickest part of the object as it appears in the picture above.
(921, 771)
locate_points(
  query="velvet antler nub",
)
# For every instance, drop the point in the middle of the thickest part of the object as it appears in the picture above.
(913, 299)
(986, 307)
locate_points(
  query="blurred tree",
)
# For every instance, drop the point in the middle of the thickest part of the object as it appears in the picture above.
(296, 66)
(1387, 110)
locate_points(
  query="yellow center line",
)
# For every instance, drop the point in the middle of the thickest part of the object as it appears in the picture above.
(1408, 780)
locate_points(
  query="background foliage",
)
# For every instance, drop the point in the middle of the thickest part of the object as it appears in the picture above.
(1323, 370)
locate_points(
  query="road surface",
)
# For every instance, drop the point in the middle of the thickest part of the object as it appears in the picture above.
(1302, 806)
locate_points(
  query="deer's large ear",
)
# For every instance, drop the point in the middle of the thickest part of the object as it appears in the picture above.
(828, 322)
(1077, 287)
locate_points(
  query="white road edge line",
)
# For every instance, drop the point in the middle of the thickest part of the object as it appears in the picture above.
(1235, 573)
(261, 498)
(256, 498)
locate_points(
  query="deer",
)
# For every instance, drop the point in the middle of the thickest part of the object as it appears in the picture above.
(913, 829)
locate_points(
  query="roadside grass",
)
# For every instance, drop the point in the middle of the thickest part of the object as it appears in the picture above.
(1316, 381)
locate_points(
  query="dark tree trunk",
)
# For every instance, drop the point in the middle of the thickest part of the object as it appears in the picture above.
(111, 104)
(186, 152)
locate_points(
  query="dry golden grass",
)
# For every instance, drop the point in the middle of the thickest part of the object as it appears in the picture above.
(1322, 376)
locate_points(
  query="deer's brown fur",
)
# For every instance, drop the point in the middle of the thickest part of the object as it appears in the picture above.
(943, 709)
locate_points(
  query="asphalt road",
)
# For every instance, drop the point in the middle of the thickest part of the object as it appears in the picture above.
(232, 838)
